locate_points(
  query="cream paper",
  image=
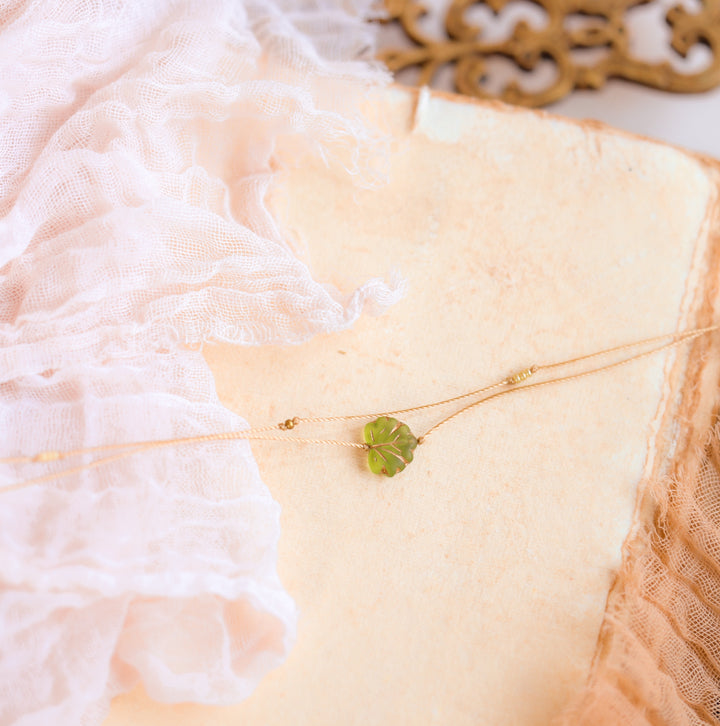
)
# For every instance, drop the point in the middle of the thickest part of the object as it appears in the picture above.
(470, 589)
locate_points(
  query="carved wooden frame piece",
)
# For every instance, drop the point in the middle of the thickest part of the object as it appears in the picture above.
(603, 26)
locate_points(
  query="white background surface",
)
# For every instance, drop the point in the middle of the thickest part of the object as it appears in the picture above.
(688, 120)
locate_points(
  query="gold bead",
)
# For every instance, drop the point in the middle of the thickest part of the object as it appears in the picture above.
(521, 376)
(290, 424)
(45, 456)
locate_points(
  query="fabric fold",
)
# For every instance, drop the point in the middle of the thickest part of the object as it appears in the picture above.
(136, 150)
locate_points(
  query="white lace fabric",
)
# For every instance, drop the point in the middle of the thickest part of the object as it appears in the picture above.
(136, 148)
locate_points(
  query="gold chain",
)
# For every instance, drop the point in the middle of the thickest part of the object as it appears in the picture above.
(508, 385)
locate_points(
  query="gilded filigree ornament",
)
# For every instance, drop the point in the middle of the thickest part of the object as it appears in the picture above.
(571, 26)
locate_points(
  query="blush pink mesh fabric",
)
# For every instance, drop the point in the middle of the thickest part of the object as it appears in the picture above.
(136, 148)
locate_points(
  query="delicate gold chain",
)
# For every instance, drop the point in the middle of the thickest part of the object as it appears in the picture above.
(510, 384)
(523, 375)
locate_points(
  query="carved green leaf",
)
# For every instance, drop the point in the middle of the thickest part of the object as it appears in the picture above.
(391, 445)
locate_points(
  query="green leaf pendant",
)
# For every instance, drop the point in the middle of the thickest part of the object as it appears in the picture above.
(390, 445)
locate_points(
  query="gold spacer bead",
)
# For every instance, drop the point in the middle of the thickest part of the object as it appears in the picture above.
(520, 376)
(45, 456)
(289, 423)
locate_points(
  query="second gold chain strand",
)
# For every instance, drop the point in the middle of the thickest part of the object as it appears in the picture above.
(509, 385)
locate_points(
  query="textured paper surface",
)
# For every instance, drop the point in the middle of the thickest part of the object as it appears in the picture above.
(470, 588)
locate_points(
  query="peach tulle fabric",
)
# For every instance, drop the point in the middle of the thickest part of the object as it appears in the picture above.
(136, 147)
(659, 658)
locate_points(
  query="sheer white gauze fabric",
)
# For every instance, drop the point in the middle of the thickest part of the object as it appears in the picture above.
(136, 148)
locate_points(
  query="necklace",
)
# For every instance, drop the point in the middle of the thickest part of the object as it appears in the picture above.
(388, 442)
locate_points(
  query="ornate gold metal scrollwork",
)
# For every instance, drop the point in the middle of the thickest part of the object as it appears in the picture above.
(602, 25)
